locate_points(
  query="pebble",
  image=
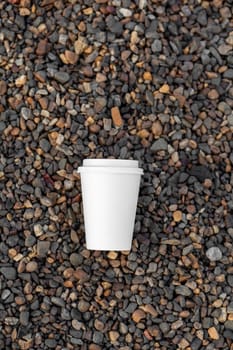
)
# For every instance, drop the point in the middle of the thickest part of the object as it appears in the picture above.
(116, 117)
(42, 248)
(8, 272)
(229, 324)
(213, 333)
(31, 266)
(62, 77)
(138, 315)
(183, 290)
(159, 145)
(214, 254)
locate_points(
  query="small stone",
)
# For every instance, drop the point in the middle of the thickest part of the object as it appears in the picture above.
(5, 294)
(81, 275)
(38, 230)
(143, 133)
(213, 333)
(229, 324)
(113, 336)
(213, 94)
(24, 317)
(21, 81)
(42, 47)
(51, 343)
(11, 321)
(71, 57)
(83, 306)
(100, 104)
(112, 255)
(25, 113)
(23, 11)
(183, 290)
(116, 117)
(177, 215)
(114, 25)
(8, 272)
(164, 89)
(42, 248)
(125, 12)
(224, 49)
(46, 201)
(80, 45)
(214, 254)
(94, 347)
(76, 259)
(31, 266)
(148, 308)
(147, 76)
(138, 315)
(62, 77)
(76, 324)
(58, 301)
(159, 145)
(228, 334)
(156, 46)
(157, 128)
(3, 87)
(230, 280)
(183, 344)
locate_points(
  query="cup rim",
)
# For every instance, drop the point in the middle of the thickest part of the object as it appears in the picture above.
(110, 170)
(109, 162)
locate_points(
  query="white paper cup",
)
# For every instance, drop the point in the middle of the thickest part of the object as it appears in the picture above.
(110, 195)
(119, 163)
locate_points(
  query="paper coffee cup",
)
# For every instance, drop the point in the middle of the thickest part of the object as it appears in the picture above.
(110, 192)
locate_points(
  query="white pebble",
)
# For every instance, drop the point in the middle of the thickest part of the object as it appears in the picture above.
(214, 254)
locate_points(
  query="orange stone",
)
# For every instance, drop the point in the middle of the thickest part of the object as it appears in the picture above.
(138, 315)
(164, 89)
(177, 215)
(147, 76)
(116, 117)
(213, 333)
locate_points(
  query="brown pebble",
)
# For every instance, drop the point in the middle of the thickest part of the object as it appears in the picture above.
(157, 128)
(116, 117)
(3, 87)
(148, 308)
(138, 315)
(94, 347)
(164, 89)
(177, 215)
(213, 94)
(80, 45)
(213, 333)
(113, 336)
(71, 57)
(31, 266)
(80, 275)
(42, 47)
(143, 133)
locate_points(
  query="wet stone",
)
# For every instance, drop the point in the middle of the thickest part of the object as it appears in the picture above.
(159, 145)
(183, 290)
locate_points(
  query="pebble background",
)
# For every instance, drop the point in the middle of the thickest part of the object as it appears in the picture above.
(136, 79)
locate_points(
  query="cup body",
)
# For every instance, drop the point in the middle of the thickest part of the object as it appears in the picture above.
(110, 195)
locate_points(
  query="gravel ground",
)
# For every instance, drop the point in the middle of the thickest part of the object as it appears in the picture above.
(148, 80)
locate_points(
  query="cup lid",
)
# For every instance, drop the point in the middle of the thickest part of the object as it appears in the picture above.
(124, 163)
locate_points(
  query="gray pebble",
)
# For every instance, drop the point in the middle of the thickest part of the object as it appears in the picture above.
(229, 325)
(214, 254)
(76, 259)
(230, 280)
(156, 46)
(58, 301)
(8, 272)
(42, 248)
(62, 77)
(45, 145)
(24, 318)
(183, 290)
(159, 145)
(51, 343)
(26, 113)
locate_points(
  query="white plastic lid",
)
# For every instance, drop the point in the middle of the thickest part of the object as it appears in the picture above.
(119, 163)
